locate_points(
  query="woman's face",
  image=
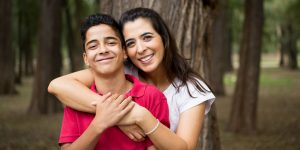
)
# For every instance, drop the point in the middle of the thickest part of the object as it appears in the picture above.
(144, 45)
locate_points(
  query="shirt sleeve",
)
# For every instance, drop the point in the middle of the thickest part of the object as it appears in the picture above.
(69, 129)
(186, 101)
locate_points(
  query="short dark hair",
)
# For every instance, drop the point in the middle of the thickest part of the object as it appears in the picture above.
(97, 19)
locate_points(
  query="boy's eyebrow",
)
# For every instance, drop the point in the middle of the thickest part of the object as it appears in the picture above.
(91, 41)
(111, 38)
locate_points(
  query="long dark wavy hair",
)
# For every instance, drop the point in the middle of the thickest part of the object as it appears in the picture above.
(175, 65)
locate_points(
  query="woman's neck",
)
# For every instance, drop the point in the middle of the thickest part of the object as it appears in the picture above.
(157, 78)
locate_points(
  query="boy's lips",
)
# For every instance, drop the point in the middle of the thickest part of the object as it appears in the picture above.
(104, 59)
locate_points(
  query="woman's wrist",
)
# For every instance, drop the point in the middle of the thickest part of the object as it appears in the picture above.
(146, 121)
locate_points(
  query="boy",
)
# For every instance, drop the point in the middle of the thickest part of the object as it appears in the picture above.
(104, 54)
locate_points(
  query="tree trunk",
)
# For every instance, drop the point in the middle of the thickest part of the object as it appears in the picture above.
(218, 44)
(49, 61)
(73, 36)
(7, 54)
(288, 46)
(188, 21)
(228, 39)
(244, 106)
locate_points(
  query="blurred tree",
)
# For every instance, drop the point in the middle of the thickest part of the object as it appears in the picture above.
(288, 46)
(49, 61)
(190, 22)
(72, 22)
(228, 37)
(244, 105)
(219, 39)
(7, 53)
(288, 33)
(26, 28)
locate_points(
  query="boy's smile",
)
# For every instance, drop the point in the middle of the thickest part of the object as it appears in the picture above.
(103, 50)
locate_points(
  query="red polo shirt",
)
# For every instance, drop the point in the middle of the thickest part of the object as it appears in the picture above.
(75, 122)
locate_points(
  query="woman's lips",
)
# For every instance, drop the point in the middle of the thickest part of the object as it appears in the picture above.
(146, 59)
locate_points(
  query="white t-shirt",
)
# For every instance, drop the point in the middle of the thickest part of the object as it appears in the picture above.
(180, 101)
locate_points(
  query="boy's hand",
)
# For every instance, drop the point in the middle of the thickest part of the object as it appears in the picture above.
(134, 132)
(110, 111)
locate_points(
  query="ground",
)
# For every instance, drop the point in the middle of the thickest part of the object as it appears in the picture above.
(278, 115)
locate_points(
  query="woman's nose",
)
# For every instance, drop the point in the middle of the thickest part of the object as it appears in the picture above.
(141, 47)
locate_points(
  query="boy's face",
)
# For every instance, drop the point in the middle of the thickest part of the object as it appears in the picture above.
(103, 50)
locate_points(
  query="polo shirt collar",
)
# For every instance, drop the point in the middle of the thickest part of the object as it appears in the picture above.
(138, 89)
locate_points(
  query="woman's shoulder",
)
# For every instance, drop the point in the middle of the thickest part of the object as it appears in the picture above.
(191, 86)
(189, 95)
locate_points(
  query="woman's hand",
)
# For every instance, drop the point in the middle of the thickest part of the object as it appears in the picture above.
(109, 111)
(135, 115)
(134, 132)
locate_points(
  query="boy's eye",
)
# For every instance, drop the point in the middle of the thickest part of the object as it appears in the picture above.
(92, 46)
(112, 43)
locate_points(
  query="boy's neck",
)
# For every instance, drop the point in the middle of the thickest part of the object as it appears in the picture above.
(116, 83)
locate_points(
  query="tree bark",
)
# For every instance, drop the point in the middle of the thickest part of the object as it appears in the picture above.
(288, 46)
(49, 61)
(188, 21)
(7, 53)
(228, 39)
(73, 37)
(218, 44)
(244, 106)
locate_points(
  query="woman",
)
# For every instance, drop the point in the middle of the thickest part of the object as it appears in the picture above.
(153, 50)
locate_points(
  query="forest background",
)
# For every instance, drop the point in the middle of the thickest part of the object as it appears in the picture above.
(246, 49)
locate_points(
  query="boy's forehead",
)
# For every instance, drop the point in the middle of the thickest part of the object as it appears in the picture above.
(102, 31)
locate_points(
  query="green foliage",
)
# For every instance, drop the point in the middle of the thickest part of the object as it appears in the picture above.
(236, 12)
(276, 12)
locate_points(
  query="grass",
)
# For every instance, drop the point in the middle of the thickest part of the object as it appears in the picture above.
(20, 130)
(278, 112)
(278, 116)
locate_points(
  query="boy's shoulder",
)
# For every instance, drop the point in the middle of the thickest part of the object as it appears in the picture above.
(143, 88)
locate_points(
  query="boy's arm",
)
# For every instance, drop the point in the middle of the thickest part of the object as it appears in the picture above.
(108, 113)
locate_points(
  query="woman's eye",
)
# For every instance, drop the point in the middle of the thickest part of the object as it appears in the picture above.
(147, 38)
(129, 44)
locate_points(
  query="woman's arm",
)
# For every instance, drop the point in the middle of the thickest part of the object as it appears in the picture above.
(72, 90)
(190, 124)
(187, 133)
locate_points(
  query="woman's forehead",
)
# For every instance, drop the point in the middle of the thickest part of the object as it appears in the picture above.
(137, 27)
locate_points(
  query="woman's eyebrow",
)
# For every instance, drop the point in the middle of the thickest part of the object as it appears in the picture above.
(146, 33)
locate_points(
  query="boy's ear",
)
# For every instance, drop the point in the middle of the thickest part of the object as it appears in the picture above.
(85, 59)
(125, 54)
